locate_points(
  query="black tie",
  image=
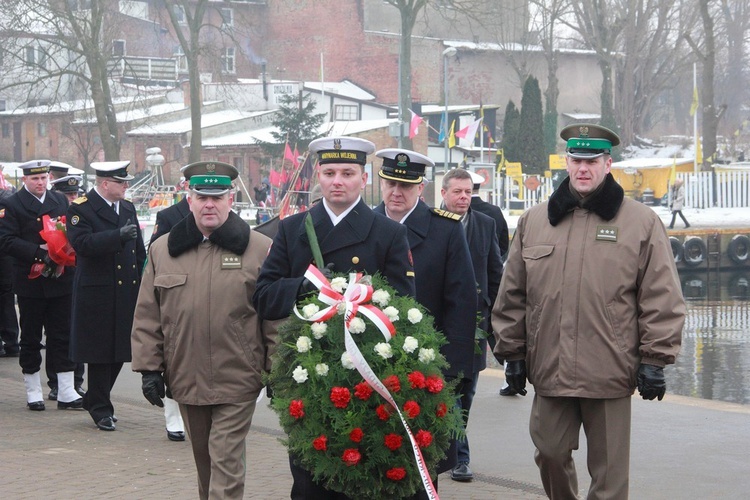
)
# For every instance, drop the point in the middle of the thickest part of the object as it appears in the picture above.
(114, 207)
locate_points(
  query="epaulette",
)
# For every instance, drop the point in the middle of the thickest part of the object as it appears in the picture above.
(446, 214)
(80, 199)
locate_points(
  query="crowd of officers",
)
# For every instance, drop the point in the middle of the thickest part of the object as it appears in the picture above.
(587, 309)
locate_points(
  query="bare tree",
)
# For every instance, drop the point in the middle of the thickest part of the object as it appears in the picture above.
(67, 51)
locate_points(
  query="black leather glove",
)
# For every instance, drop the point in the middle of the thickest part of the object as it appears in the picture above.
(128, 232)
(153, 388)
(515, 375)
(307, 286)
(651, 382)
(269, 392)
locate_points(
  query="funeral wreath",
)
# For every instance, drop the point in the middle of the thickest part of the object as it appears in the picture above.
(358, 389)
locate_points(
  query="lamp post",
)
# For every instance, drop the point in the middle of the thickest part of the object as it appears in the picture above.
(449, 52)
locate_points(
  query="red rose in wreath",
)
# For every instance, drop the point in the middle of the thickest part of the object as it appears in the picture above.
(340, 397)
(417, 380)
(356, 435)
(320, 443)
(384, 412)
(412, 409)
(363, 391)
(392, 383)
(441, 410)
(393, 441)
(423, 438)
(296, 409)
(351, 456)
(396, 473)
(434, 384)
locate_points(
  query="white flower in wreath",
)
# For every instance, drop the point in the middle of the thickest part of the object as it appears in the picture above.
(346, 361)
(304, 343)
(383, 349)
(414, 316)
(392, 313)
(381, 298)
(309, 310)
(338, 284)
(299, 374)
(357, 325)
(318, 330)
(321, 369)
(341, 308)
(410, 344)
(426, 355)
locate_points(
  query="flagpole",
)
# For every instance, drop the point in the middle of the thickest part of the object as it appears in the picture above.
(695, 124)
(323, 86)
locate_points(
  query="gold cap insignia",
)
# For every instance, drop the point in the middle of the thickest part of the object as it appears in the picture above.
(583, 131)
(337, 144)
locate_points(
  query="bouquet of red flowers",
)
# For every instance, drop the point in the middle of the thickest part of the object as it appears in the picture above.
(55, 234)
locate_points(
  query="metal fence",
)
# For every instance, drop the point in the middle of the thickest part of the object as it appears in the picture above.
(702, 190)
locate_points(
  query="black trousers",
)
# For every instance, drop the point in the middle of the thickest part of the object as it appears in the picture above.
(675, 213)
(51, 316)
(102, 377)
(8, 319)
(52, 374)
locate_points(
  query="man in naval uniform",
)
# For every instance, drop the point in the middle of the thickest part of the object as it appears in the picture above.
(103, 229)
(442, 262)
(44, 301)
(352, 239)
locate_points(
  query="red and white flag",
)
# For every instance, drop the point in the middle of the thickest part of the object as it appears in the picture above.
(414, 125)
(468, 133)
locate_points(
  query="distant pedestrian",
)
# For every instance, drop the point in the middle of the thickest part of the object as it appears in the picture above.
(196, 333)
(103, 229)
(678, 200)
(8, 318)
(44, 301)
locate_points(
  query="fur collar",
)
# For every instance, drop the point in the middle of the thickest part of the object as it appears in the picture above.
(233, 235)
(605, 202)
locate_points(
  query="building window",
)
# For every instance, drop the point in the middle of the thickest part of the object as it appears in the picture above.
(227, 60)
(79, 5)
(3, 105)
(179, 13)
(118, 48)
(179, 54)
(6, 130)
(227, 18)
(344, 112)
(35, 56)
(41, 129)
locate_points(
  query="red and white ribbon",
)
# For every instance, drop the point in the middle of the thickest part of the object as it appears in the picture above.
(353, 301)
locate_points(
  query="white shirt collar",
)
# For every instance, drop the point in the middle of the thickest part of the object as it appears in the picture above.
(109, 202)
(335, 219)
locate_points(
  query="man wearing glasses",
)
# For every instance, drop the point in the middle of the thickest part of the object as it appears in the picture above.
(104, 231)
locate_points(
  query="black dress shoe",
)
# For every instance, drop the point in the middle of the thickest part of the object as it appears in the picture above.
(176, 435)
(114, 419)
(76, 404)
(52, 396)
(461, 472)
(507, 391)
(80, 391)
(106, 424)
(36, 406)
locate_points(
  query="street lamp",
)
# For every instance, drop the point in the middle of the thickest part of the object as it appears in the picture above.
(449, 52)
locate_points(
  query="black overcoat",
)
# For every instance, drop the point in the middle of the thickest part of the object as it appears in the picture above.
(445, 282)
(361, 242)
(168, 218)
(501, 226)
(108, 274)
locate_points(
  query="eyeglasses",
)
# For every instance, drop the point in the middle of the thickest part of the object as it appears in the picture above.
(116, 181)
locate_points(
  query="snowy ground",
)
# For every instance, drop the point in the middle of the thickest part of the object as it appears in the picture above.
(698, 218)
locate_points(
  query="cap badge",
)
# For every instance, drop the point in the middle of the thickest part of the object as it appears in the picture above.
(402, 160)
(210, 167)
(583, 131)
(337, 144)
(72, 182)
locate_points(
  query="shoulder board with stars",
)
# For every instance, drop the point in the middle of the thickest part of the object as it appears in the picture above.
(80, 199)
(446, 214)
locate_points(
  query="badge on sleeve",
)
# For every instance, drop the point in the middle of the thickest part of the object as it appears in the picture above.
(74, 220)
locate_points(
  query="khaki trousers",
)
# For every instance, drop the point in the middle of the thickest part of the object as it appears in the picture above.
(555, 426)
(217, 434)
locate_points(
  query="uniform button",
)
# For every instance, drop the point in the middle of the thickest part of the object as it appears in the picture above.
(119, 266)
(134, 282)
(38, 219)
(132, 251)
(355, 260)
(119, 282)
(133, 266)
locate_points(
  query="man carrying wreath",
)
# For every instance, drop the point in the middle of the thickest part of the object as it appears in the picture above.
(351, 238)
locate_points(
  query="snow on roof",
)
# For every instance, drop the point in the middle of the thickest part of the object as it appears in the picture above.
(583, 116)
(647, 163)
(512, 47)
(184, 125)
(435, 109)
(344, 89)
